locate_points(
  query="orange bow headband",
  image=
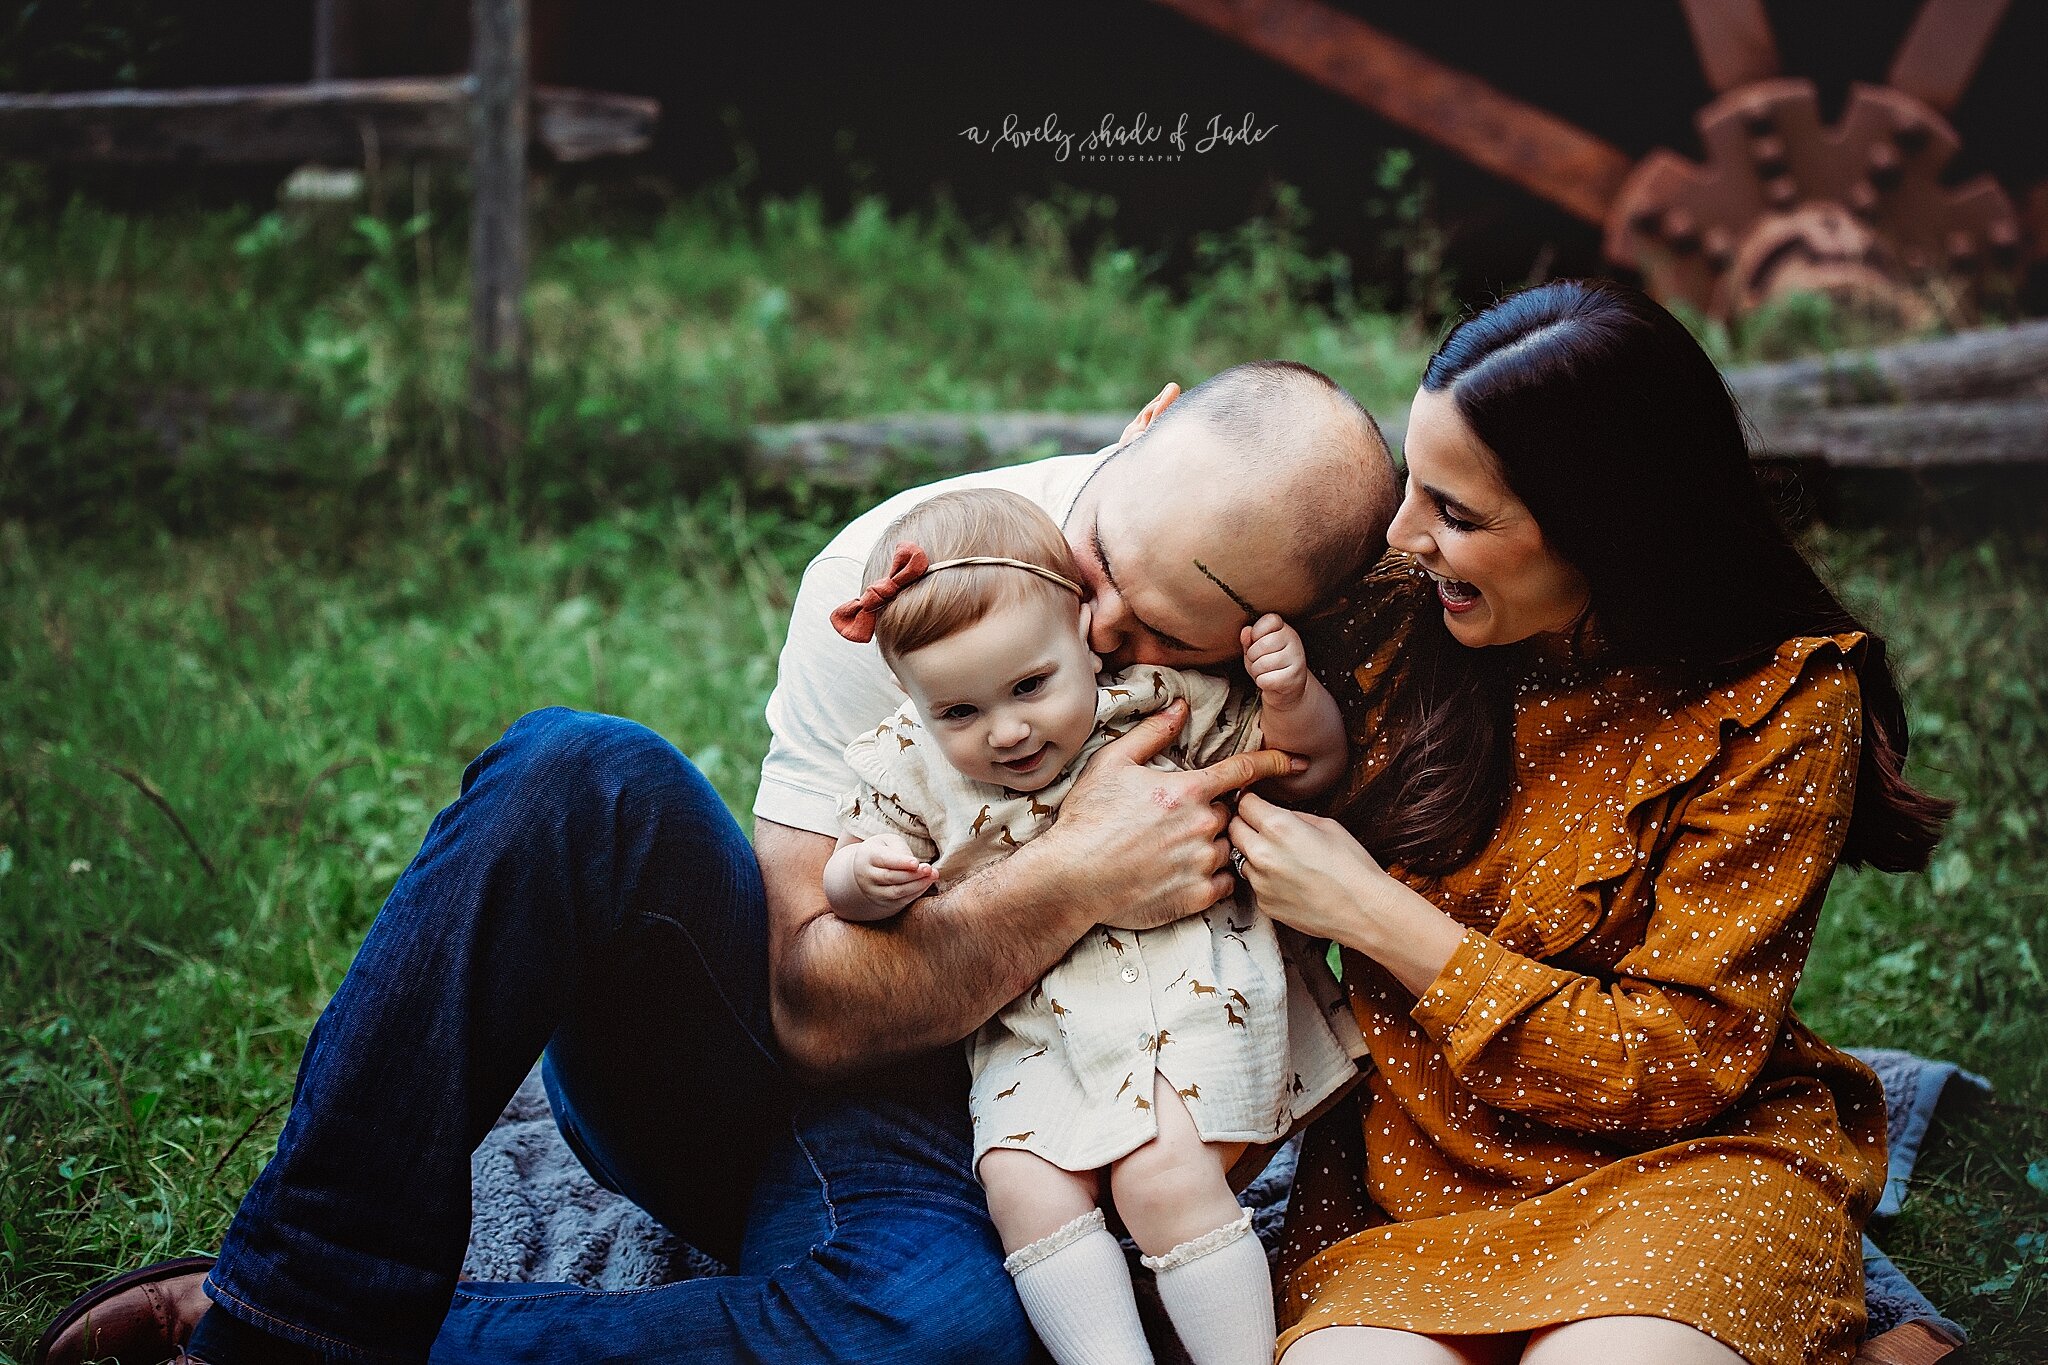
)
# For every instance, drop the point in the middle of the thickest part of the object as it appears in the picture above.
(856, 619)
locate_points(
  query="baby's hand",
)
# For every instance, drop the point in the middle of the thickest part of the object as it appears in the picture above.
(1276, 661)
(888, 874)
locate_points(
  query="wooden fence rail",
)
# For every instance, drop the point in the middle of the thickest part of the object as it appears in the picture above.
(331, 121)
(1974, 398)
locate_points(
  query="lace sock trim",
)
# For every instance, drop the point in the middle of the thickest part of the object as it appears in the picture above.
(1213, 1240)
(1023, 1258)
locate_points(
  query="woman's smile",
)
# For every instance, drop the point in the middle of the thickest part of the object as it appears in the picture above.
(1496, 578)
(1456, 594)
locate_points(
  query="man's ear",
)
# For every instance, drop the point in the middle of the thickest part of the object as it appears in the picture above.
(1150, 412)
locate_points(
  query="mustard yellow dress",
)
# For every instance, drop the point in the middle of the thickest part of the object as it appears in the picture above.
(1604, 1104)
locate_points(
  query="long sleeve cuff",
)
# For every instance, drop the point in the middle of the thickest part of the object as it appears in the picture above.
(1483, 989)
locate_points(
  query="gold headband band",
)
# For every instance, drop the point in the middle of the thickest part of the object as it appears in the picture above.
(856, 619)
(1069, 584)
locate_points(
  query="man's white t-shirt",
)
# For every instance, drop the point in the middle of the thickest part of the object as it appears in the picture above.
(828, 689)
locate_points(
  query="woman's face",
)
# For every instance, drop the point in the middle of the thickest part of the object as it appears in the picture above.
(1498, 579)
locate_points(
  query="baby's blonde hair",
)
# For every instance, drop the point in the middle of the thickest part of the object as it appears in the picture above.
(968, 521)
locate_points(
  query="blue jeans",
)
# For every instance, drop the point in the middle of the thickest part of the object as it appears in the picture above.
(588, 894)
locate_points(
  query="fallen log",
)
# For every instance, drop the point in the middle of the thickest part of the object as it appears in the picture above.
(338, 122)
(1907, 436)
(1994, 363)
(949, 442)
(1800, 410)
(180, 418)
(1913, 435)
(1975, 398)
(1897, 436)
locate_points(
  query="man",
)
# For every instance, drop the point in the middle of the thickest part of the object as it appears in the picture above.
(777, 1086)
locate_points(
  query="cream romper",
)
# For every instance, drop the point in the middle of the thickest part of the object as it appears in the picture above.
(1253, 1035)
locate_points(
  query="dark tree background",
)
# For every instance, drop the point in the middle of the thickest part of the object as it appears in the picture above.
(870, 98)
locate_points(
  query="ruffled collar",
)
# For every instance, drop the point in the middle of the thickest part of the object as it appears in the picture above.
(1597, 753)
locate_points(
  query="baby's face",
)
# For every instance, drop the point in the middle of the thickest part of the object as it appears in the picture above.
(1011, 699)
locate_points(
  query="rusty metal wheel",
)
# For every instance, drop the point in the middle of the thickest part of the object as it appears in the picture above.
(1780, 200)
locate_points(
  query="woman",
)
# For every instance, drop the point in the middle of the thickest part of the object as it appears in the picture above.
(1614, 736)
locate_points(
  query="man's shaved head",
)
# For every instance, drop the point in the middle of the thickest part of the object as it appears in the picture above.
(1265, 488)
(1291, 437)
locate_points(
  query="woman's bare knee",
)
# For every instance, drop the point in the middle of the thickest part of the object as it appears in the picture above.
(1623, 1341)
(1390, 1346)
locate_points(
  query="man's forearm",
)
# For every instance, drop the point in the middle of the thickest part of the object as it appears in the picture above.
(1134, 846)
(849, 995)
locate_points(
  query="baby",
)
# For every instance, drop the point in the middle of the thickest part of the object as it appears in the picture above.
(1151, 1057)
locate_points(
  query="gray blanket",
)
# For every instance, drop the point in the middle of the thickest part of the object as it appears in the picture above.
(538, 1216)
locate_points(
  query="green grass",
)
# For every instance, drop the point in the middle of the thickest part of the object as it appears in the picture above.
(1950, 964)
(306, 715)
(304, 720)
(659, 338)
(302, 671)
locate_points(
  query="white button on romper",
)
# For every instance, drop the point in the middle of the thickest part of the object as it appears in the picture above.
(1253, 1035)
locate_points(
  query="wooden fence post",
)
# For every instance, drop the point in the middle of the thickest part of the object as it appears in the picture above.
(497, 238)
(333, 40)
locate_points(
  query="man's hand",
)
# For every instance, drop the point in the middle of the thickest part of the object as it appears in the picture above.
(1134, 847)
(1139, 847)
(872, 879)
(1276, 662)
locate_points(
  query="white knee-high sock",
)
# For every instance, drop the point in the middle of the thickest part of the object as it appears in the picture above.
(1076, 1290)
(1217, 1291)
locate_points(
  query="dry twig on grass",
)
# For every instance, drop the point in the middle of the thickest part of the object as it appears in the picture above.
(306, 797)
(119, 825)
(162, 803)
(235, 1146)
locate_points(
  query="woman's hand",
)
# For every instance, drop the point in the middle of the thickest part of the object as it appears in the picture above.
(1309, 873)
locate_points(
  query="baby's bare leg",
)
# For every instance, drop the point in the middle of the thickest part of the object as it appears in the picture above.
(1070, 1273)
(1174, 1188)
(1030, 1198)
(1211, 1271)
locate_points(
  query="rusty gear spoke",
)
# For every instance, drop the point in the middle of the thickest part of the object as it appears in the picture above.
(1734, 42)
(1942, 50)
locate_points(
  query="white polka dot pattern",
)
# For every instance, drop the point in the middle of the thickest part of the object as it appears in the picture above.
(1604, 1104)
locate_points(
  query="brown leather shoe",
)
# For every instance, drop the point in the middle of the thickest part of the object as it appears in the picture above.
(1910, 1343)
(142, 1318)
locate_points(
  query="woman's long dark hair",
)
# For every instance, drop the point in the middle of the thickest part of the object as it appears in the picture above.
(1616, 430)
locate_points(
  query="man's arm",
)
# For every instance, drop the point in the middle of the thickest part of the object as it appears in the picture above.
(1134, 846)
